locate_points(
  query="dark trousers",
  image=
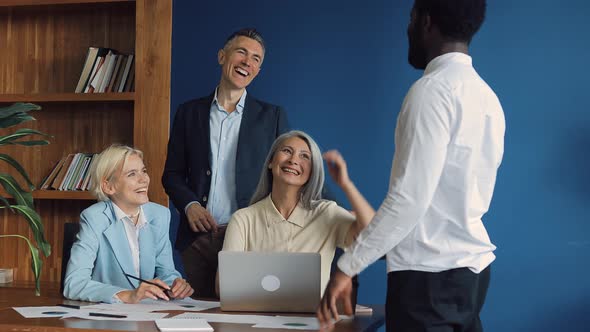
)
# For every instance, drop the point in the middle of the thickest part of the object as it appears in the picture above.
(447, 301)
(200, 262)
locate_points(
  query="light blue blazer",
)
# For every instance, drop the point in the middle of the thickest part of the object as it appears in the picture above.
(101, 255)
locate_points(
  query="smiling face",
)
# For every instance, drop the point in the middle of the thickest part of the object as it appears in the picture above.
(240, 62)
(291, 163)
(128, 187)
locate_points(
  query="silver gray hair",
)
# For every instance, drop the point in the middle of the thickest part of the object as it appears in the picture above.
(311, 192)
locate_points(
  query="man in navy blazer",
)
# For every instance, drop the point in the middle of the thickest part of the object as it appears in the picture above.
(215, 155)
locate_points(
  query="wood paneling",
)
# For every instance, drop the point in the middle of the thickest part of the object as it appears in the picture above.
(44, 45)
(152, 88)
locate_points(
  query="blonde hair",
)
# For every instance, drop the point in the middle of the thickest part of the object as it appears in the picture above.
(106, 165)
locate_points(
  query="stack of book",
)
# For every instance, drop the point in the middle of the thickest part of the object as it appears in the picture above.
(106, 70)
(70, 173)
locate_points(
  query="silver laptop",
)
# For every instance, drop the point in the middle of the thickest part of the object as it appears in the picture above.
(271, 282)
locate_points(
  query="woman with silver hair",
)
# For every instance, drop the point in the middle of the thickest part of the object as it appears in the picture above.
(287, 213)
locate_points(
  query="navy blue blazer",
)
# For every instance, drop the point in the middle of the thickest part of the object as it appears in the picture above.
(187, 173)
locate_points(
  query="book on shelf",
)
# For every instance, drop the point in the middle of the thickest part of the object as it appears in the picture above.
(106, 70)
(119, 58)
(128, 65)
(96, 69)
(62, 172)
(49, 179)
(87, 69)
(70, 173)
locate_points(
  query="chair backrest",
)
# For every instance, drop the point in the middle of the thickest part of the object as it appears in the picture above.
(70, 231)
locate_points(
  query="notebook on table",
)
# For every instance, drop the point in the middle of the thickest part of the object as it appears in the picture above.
(269, 282)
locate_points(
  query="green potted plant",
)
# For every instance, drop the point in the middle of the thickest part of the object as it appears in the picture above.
(22, 199)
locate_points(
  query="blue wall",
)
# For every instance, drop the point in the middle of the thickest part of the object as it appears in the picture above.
(341, 72)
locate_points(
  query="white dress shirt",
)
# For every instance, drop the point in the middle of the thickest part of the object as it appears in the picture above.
(449, 143)
(132, 232)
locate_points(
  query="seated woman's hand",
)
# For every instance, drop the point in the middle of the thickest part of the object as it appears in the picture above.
(337, 168)
(181, 289)
(145, 291)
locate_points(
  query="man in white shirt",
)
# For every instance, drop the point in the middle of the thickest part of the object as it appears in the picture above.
(449, 143)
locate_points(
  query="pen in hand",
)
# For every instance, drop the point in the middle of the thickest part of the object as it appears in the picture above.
(166, 291)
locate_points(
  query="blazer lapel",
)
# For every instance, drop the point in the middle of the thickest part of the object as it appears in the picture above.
(204, 126)
(117, 238)
(147, 244)
(247, 128)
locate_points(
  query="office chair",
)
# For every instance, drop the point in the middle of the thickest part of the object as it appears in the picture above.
(70, 231)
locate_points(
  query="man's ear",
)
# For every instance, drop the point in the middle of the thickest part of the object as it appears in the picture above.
(269, 165)
(221, 57)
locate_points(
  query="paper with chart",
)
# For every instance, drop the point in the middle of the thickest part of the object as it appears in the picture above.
(224, 318)
(149, 305)
(130, 316)
(43, 312)
(282, 322)
(291, 323)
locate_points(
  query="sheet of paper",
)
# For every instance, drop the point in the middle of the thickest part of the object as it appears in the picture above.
(189, 304)
(43, 312)
(291, 323)
(224, 318)
(131, 316)
(149, 305)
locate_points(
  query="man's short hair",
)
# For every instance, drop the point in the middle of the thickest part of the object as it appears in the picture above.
(246, 32)
(457, 20)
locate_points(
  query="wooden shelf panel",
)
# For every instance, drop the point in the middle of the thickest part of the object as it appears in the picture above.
(57, 194)
(12, 3)
(66, 97)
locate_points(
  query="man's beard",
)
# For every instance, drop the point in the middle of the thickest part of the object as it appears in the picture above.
(416, 50)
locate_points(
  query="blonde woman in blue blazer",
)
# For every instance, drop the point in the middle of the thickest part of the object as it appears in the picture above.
(123, 234)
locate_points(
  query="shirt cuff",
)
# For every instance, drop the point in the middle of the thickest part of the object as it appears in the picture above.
(116, 298)
(189, 204)
(348, 265)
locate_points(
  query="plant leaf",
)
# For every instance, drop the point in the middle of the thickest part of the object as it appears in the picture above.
(12, 187)
(31, 143)
(6, 204)
(23, 132)
(15, 119)
(36, 262)
(18, 167)
(36, 225)
(15, 108)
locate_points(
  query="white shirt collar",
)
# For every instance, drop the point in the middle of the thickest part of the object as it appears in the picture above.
(239, 106)
(452, 57)
(120, 215)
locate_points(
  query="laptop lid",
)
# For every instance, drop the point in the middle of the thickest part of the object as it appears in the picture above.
(271, 282)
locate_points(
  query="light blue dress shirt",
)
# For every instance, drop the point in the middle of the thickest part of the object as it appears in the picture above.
(224, 131)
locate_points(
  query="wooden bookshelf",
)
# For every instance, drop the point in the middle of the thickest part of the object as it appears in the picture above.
(44, 45)
(66, 97)
(57, 194)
